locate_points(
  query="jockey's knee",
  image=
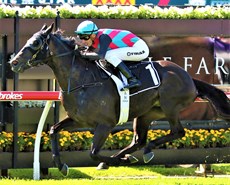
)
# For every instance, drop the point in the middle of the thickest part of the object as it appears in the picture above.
(113, 59)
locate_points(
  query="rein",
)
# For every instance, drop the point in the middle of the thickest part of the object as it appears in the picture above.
(71, 71)
(50, 57)
(69, 90)
(81, 87)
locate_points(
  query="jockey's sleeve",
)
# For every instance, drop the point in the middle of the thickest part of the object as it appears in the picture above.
(104, 41)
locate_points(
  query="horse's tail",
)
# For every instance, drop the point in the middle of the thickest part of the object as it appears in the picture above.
(217, 97)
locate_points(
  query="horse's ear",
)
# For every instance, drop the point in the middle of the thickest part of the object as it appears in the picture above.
(44, 27)
(49, 29)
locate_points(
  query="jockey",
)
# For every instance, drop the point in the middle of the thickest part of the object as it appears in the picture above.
(114, 46)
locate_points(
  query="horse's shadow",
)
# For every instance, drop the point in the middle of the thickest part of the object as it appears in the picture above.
(73, 174)
(52, 174)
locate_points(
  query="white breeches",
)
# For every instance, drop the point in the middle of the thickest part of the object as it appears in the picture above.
(137, 52)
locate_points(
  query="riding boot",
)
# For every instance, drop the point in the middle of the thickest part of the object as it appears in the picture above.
(132, 80)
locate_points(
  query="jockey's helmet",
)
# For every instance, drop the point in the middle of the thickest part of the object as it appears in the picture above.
(86, 28)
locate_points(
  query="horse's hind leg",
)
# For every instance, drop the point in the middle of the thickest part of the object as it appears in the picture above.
(101, 133)
(177, 131)
(171, 103)
(66, 123)
(140, 131)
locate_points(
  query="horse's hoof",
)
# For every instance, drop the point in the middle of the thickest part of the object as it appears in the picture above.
(148, 157)
(64, 170)
(102, 166)
(131, 158)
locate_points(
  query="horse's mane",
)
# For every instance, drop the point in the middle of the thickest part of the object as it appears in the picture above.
(70, 41)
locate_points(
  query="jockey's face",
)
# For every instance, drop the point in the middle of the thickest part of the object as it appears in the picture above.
(87, 40)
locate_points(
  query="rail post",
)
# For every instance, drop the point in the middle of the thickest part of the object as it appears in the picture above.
(3, 80)
(36, 165)
(15, 87)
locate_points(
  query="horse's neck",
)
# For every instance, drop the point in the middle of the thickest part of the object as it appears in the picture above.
(60, 65)
(72, 71)
(61, 72)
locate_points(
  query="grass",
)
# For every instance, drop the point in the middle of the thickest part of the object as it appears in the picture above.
(134, 175)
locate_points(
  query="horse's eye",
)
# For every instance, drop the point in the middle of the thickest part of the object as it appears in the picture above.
(36, 43)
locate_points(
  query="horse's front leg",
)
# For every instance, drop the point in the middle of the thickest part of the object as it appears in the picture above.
(67, 123)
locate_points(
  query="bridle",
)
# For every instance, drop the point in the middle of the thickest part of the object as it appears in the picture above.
(43, 47)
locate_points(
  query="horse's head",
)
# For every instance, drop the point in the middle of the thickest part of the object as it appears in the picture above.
(34, 52)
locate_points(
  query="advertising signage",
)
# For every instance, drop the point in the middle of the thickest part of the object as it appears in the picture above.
(119, 2)
(97, 2)
(45, 2)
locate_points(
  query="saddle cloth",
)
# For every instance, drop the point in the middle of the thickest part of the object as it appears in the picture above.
(144, 71)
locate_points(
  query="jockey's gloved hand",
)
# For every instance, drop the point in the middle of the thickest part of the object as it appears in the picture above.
(90, 55)
(81, 48)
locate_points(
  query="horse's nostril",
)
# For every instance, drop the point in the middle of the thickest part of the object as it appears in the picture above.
(14, 62)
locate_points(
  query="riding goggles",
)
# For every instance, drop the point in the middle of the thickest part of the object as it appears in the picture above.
(84, 36)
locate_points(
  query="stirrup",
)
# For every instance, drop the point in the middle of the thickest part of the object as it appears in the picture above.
(132, 83)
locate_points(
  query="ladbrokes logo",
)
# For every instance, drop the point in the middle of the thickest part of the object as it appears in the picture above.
(10, 96)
